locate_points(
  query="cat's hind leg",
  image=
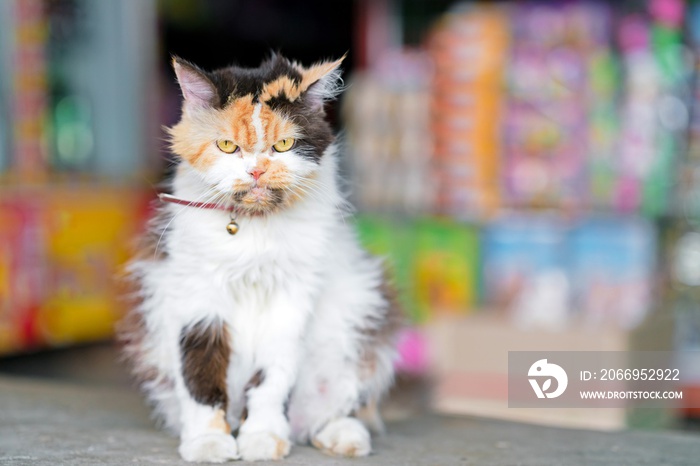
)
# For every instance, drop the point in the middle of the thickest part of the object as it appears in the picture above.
(348, 366)
(326, 404)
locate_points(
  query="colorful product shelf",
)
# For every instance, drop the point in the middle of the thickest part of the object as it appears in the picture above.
(61, 249)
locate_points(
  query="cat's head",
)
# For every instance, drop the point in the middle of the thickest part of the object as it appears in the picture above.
(256, 136)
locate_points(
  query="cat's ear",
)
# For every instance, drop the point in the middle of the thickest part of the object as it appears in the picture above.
(322, 82)
(197, 89)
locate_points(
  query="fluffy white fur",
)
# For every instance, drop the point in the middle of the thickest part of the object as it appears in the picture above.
(295, 290)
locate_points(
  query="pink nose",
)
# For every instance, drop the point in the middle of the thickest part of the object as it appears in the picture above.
(256, 172)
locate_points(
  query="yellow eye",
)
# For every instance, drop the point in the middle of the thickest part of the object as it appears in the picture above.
(227, 146)
(284, 145)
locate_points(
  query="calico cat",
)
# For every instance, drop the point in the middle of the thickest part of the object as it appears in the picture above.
(258, 312)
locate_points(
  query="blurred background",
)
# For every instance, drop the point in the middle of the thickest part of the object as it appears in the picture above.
(530, 169)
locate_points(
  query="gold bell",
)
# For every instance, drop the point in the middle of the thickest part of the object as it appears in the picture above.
(232, 228)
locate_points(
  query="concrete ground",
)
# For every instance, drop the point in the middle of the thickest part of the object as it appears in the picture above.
(49, 422)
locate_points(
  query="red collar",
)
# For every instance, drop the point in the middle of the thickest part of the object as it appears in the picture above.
(232, 227)
(198, 205)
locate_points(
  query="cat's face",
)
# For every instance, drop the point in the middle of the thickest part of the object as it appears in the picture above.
(256, 136)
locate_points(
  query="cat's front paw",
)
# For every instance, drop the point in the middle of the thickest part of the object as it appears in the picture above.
(209, 448)
(257, 446)
(344, 437)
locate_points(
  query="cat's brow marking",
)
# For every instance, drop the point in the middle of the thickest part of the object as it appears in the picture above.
(257, 125)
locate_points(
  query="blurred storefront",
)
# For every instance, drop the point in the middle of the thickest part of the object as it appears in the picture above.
(530, 169)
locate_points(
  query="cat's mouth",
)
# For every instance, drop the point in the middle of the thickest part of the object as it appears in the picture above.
(259, 192)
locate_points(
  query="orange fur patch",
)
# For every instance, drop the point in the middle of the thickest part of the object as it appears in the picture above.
(282, 85)
(276, 174)
(290, 89)
(199, 157)
(239, 115)
(239, 118)
(275, 126)
(218, 422)
(188, 147)
(263, 165)
(281, 448)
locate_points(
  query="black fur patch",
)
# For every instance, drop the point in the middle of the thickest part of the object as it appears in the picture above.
(233, 81)
(255, 381)
(276, 199)
(205, 353)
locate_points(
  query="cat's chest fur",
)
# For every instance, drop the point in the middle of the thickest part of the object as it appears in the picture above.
(257, 278)
(265, 256)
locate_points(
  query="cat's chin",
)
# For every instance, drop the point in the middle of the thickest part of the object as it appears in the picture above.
(259, 201)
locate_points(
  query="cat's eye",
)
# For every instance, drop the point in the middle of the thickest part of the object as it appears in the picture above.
(226, 145)
(284, 145)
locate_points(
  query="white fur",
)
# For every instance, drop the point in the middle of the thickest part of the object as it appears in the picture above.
(258, 446)
(293, 287)
(209, 448)
(344, 437)
(257, 125)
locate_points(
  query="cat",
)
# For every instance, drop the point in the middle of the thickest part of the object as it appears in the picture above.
(258, 311)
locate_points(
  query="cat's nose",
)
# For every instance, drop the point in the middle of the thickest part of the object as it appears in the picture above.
(256, 173)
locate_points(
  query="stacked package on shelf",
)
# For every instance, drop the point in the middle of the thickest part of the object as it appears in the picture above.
(612, 268)
(672, 107)
(435, 263)
(29, 87)
(524, 269)
(21, 290)
(654, 108)
(469, 49)
(386, 118)
(638, 130)
(548, 271)
(445, 267)
(603, 70)
(393, 240)
(549, 90)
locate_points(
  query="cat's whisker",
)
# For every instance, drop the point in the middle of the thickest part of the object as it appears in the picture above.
(325, 189)
(309, 187)
(307, 191)
(206, 193)
(224, 200)
(307, 182)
